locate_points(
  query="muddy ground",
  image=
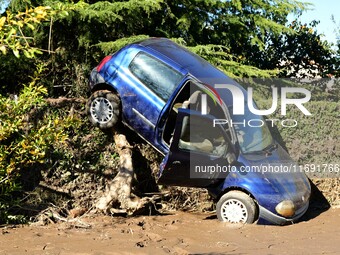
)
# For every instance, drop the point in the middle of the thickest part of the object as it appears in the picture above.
(175, 233)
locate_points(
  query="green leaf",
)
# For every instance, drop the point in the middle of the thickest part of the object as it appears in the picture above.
(3, 49)
(16, 53)
(30, 26)
(28, 54)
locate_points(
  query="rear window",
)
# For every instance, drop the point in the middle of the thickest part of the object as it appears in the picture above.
(157, 76)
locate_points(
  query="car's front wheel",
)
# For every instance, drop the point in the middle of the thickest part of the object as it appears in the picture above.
(236, 207)
(103, 108)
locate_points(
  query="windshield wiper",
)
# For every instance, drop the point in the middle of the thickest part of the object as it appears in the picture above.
(269, 149)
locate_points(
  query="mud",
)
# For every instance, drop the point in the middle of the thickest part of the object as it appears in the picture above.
(175, 233)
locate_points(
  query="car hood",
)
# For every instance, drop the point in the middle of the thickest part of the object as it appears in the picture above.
(274, 178)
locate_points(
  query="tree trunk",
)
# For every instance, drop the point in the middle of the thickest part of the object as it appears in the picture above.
(118, 192)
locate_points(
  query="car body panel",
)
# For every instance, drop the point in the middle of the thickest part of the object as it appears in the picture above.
(147, 113)
(178, 168)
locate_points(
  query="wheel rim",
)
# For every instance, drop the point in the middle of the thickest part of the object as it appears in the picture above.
(101, 110)
(234, 211)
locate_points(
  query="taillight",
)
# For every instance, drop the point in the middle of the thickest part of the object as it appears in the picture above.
(103, 62)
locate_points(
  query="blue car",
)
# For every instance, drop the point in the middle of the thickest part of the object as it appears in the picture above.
(177, 102)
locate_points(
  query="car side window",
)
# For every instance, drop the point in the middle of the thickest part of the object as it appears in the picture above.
(157, 76)
(197, 136)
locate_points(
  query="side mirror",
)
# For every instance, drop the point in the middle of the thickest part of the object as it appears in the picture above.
(231, 158)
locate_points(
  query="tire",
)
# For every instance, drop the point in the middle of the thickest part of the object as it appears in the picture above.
(236, 207)
(103, 109)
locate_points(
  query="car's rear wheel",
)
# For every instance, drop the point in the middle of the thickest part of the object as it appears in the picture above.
(103, 108)
(236, 207)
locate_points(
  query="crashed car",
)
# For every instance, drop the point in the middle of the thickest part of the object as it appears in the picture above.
(169, 97)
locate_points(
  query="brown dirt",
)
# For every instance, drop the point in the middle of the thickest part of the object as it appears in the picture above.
(177, 233)
(330, 189)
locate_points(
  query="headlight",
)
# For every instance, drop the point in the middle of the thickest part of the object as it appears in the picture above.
(286, 208)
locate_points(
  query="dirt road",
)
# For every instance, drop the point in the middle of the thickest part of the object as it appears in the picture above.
(177, 233)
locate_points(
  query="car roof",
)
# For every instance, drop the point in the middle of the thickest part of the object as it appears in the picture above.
(198, 67)
(194, 64)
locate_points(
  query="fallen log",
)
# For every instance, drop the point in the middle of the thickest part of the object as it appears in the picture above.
(64, 101)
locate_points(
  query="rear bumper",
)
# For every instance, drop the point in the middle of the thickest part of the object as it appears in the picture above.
(279, 220)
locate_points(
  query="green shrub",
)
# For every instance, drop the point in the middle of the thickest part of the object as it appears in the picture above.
(315, 139)
(27, 134)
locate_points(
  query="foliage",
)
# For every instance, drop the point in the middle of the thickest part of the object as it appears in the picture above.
(109, 47)
(243, 38)
(322, 89)
(337, 55)
(18, 47)
(227, 33)
(218, 56)
(304, 54)
(26, 137)
(316, 138)
(13, 26)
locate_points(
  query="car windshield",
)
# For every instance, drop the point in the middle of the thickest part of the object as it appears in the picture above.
(252, 131)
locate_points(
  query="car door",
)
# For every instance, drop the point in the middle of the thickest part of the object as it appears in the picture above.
(151, 84)
(200, 153)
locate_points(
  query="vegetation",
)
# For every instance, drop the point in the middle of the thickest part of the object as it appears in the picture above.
(47, 49)
(27, 134)
(243, 38)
